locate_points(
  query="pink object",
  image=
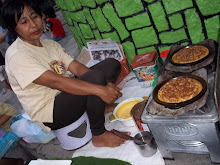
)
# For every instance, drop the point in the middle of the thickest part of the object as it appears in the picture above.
(145, 68)
(26, 140)
(2, 133)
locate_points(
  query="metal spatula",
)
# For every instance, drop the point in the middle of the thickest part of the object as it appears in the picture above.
(126, 136)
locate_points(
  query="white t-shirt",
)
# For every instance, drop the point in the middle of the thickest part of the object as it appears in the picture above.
(24, 64)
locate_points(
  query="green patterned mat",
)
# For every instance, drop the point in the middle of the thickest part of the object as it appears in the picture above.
(97, 161)
(82, 160)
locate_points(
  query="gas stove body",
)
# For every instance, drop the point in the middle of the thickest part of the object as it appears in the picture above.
(195, 131)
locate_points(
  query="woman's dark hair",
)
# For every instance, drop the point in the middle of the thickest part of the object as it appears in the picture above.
(48, 11)
(2, 59)
(13, 8)
(2, 22)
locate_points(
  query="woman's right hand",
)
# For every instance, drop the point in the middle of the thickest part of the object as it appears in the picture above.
(110, 94)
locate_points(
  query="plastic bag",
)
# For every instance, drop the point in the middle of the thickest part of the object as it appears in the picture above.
(30, 131)
(7, 141)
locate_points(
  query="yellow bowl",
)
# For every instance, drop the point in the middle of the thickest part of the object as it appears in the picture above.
(123, 110)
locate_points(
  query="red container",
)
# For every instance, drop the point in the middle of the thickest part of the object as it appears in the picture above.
(145, 68)
(146, 59)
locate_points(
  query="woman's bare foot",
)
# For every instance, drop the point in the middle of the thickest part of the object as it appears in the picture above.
(110, 107)
(108, 139)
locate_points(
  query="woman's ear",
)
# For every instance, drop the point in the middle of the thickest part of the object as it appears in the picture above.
(17, 33)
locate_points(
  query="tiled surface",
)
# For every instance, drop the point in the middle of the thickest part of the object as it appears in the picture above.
(146, 25)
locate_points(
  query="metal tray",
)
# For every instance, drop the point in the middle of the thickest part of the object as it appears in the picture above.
(181, 104)
(191, 63)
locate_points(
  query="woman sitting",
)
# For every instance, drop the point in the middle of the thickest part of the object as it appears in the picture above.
(39, 70)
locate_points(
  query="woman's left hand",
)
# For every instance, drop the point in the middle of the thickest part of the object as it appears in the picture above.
(113, 85)
(110, 94)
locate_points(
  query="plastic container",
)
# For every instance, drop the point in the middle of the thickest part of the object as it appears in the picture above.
(145, 67)
(76, 134)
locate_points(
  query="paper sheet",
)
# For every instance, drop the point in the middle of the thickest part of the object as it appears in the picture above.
(50, 162)
(131, 88)
(126, 152)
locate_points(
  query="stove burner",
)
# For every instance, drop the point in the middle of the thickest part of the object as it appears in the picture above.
(189, 68)
(155, 108)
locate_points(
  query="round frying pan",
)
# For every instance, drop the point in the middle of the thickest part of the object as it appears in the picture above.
(181, 104)
(191, 63)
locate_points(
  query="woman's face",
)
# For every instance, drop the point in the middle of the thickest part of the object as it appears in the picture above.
(29, 26)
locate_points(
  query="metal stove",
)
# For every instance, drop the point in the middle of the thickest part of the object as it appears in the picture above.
(195, 131)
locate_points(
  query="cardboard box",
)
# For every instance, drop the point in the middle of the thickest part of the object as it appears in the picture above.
(102, 49)
(125, 70)
(84, 56)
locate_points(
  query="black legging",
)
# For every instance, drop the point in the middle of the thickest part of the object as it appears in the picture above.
(68, 108)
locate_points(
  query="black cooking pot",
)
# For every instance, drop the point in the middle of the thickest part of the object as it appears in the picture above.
(181, 104)
(191, 63)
